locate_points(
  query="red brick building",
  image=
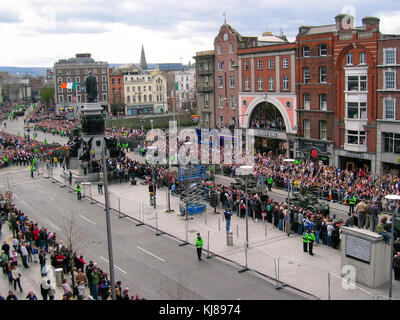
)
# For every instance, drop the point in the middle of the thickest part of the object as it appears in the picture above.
(388, 102)
(226, 82)
(355, 61)
(116, 86)
(315, 92)
(267, 96)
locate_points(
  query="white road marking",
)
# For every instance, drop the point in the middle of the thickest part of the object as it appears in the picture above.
(114, 265)
(87, 219)
(150, 254)
(23, 202)
(40, 191)
(54, 225)
(51, 198)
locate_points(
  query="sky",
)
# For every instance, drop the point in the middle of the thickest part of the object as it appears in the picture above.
(37, 33)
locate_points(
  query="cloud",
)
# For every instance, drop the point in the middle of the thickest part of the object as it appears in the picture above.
(9, 17)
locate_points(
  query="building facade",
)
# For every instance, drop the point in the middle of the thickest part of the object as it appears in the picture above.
(205, 87)
(388, 101)
(116, 85)
(355, 61)
(267, 96)
(315, 93)
(76, 70)
(185, 89)
(226, 45)
(145, 92)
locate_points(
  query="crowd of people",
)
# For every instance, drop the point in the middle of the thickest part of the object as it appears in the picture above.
(33, 244)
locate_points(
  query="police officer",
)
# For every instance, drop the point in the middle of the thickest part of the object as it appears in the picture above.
(269, 182)
(352, 202)
(32, 169)
(305, 240)
(311, 239)
(78, 191)
(199, 245)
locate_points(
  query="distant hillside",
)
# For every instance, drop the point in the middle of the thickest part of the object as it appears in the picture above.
(32, 71)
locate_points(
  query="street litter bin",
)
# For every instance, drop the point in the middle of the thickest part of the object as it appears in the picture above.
(229, 238)
(59, 276)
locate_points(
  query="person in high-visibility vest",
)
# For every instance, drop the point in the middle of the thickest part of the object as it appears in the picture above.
(199, 245)
(79, 191)
(311, 239)
(32, 169)
(352, 202)
(269, 182)
(305, 240)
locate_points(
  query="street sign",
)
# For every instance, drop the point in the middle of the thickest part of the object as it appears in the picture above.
(314, 153)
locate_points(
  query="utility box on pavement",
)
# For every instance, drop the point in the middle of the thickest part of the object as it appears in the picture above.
(368, 253)
(229, 238)
(59, 276)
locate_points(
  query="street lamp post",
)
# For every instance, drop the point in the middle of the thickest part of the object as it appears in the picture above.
(110, 249)
(288, 162)
(392, 197)
(246, 171)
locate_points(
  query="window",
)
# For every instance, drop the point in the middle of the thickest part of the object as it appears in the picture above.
(128, 99)
(127, 89)
(219, 49)
(79, 97)
(231, 64)
(77, 79)
(206, 98)
(221, 101)
(59, 80)
(59, 71)
(221, 121)
(78, 88)
(232, 81)
(356, 83)
(60, 89)
(68, 71)
(205, 66)
(133, 89)
(112, 81)
(350, 58)
(230, 47)
(306, 75)
(69, 79)
(246, 66)
(357, 110)
(205, 82)
(306, 101)
(149, 88)
(285, 63)
(270, 63)
(389, 56)
(356, 137)
(60, 99)
(362, 58)
(113, 90)
(139, 98)
(392, 142)
(144, 88)
(103, 70)
(322, 74)
(104, 78)
(220, 65)
(306, 125)
(389, 108)
(306, 51)
(138, 89)
(259, 65)
(104, 87)
(76, 71)
(322, 49)
(271, 83)
(246, 84)
(144, 98)
(323, 104)
(390, 79)
(259, 83)
(220, 82)
(119, 80)
(285, 83)
(104, 96)
(322, 130)
(232, 102)
(69, 98)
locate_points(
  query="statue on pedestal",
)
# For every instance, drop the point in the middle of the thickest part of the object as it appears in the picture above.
(91, 88)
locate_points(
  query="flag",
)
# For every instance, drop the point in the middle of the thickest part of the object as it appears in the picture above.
(69, 85)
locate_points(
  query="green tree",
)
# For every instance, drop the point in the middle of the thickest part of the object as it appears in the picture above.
(47, 95)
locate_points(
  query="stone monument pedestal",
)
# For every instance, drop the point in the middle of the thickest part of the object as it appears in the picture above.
(368, 253)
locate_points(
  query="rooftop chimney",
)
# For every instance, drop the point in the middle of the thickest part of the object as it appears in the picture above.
(370, 23)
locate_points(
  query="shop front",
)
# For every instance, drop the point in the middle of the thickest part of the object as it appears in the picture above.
(353, 161)
(139, 109)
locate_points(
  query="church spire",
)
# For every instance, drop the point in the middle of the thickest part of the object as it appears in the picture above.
(143, 63)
